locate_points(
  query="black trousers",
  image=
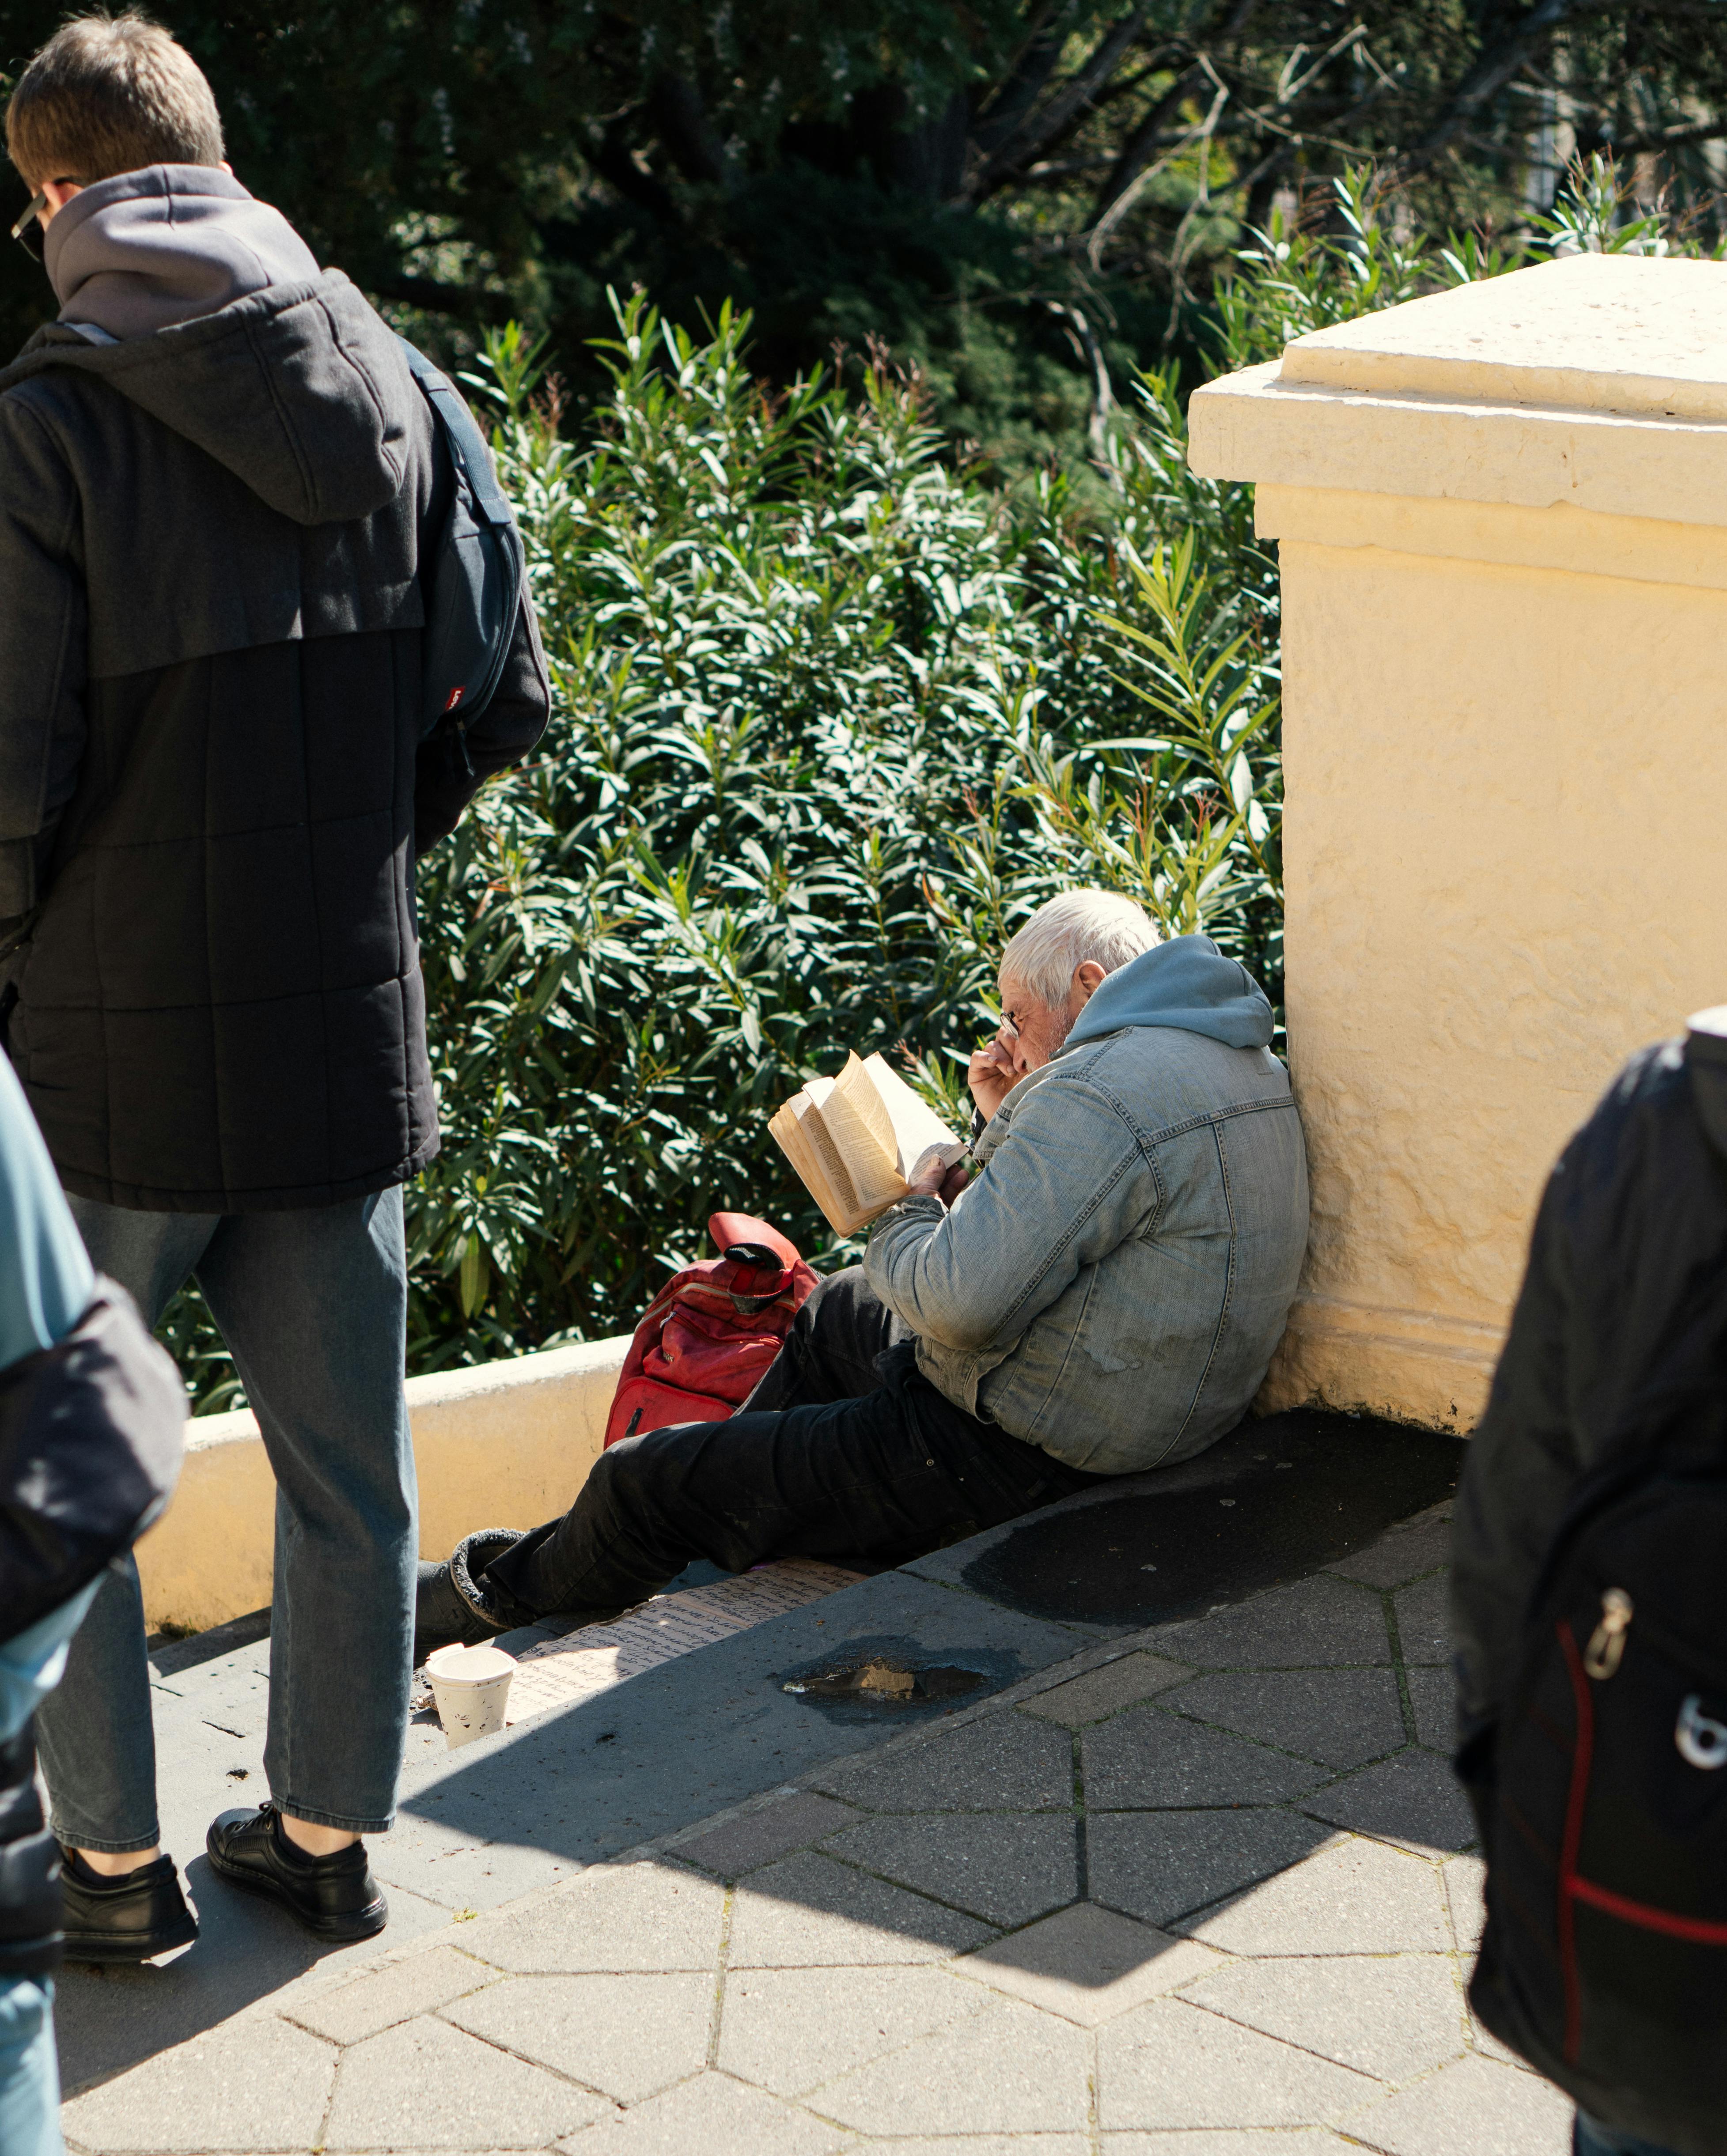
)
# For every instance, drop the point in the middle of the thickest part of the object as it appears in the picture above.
(842, 1451)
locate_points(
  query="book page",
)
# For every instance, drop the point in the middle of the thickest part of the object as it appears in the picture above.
(914, 1128)
(862, 1133)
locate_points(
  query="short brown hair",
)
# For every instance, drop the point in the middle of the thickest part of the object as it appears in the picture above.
(111, 93)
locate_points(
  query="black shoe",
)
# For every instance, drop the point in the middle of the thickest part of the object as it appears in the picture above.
(133, 1918)
(336, 1896)
(453, 1605)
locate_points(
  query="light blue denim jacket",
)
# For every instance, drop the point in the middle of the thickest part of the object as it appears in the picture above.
(1112, 1284)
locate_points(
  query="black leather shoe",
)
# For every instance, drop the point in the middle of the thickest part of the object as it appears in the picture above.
(134, 1917)
(336, 1896)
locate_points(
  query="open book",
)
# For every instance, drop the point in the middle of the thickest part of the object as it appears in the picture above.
(858, 1140)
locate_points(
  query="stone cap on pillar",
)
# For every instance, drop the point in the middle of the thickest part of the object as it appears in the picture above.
(1597, 380)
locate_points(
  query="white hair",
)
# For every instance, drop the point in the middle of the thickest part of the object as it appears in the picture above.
(1098, 924)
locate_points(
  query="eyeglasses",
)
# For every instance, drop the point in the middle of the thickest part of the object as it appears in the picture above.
(30, 232)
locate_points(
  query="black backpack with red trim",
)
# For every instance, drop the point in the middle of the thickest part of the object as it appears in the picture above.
(1605, 1958)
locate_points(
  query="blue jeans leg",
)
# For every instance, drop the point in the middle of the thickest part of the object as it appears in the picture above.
(314, 1305)
(94, 1735)
(29, 2071)
(1589, 2137)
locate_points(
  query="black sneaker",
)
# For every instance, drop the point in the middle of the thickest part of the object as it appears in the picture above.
(335, 1897)
(133, 1918)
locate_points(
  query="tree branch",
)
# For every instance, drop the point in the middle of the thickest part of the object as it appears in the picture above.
(1033, 136)
(1491, 72)
(1141, 145)
(1026, 80)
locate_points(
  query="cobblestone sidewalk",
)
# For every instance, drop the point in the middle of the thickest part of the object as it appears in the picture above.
(1195, 1893)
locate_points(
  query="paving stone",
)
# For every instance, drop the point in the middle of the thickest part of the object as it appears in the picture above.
(1148, 1760)
(711, 2116)
(614, 1917)
(417, 1986)
(1315, 1623)
(808, 1912)
(1419, 1546)
(1475, 2108)
(789, 2029)
(986, 2144)
(1413, 1798)
(1005, 1870)
(1010, 2070)
(1434, 1694)
(428, 2085)
(1089, 1965)
(1343, 1717)
(1465, 1878)
(255, 2083)
(1171, 2065)
(1424, 1620)
(759, 1836)
(1309, 2141)
(629, 2036)
(1392, 2016)
(1355, 1896)
(1163, 1864)
(1004, 1763)
(1117, 1684)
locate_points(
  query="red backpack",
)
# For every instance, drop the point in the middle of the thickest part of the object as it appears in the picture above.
(712, 1330)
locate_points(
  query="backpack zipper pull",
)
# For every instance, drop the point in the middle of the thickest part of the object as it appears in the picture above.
(1607, 1642)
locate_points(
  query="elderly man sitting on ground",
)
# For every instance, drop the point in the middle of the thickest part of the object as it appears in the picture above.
(1103, 1295)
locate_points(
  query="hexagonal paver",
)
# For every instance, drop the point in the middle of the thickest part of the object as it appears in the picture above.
(424, 2085)
(1089, 1965)
(1317, 1623)
(640, 1916)
(1172, 2065)
(255, 2083)
(758, 1837)
(1392, 2017)
(1343, 1717)
(1412, 1797)
(1008, 2069)
(1004, 1763)
(1005, 1870)
(788, 2029)
(1475, 2108)
(809, 1911)
(1160, 1865)
(1424, 1620)
(715, 2116)
(629, 2036)
(1150, 1760)
(1419, 1546)
(1100, 1692)
(412, 1986)
(1355, 1896)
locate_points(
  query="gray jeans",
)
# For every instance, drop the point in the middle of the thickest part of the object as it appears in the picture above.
(313, 1304)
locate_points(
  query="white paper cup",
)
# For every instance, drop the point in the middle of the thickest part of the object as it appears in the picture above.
(471, 1686)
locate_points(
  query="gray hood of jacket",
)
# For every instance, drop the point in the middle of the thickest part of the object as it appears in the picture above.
(205, 309)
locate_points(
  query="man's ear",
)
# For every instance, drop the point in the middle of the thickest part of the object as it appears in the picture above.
(1087, 975)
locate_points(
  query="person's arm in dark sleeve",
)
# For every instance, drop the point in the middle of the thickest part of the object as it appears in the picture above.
(1522, 1466)
(445, 781)
(43, 637)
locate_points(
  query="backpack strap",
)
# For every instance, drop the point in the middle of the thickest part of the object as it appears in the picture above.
(467, 444)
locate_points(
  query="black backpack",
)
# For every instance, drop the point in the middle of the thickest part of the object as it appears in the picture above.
(473, 590)
(1604, 1808)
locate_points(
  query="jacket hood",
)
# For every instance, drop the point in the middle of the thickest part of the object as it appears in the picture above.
(207, 309)
(145, 251)
(1187, 983)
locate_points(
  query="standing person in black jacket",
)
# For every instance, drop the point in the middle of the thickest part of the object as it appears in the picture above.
(1629, 1252)
(218, 483)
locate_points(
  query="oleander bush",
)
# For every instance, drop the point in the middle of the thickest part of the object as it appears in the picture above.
(833, 714)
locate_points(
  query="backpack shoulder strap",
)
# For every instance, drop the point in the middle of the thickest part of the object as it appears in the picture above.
(467, 444)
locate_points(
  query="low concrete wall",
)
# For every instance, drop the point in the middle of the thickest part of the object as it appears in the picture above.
(505, 1444)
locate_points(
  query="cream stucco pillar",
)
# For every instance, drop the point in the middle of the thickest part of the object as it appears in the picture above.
(1502, 520)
